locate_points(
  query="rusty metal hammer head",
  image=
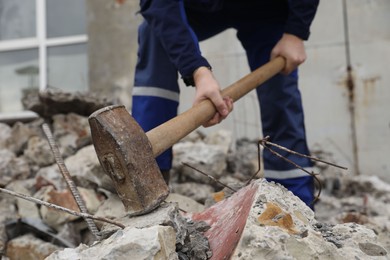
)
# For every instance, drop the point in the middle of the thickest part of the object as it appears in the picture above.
(125, 154)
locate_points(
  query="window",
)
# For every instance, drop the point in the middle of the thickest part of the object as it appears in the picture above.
(67, 67)
(42, 43)
(17, 19)
(65, 18)
(18, 73)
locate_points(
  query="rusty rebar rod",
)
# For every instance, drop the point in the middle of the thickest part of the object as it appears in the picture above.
(287, 160)
(258, 163)
(265, 140)
(71, 185)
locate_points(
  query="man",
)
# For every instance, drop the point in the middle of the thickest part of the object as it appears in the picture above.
(168, 44)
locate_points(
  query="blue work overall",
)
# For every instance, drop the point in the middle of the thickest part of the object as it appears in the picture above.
(156, 94)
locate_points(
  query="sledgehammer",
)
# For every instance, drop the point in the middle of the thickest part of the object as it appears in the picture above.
(127, 154)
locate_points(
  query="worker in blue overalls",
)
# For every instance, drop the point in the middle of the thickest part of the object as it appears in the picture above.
(169, 44)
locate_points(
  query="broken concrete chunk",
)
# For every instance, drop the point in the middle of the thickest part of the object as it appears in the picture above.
(12, 167)
(35, 226)
(38, 151)
(210, 159)
(25, 208)
(54, 218)
(197, 191)
(28, 247)
(56, 101)
(72, 132)
(86, 170)
(112, 207)
(157, 242)
(8, 211)
(5, 133)
(21, 133)
(244, 161)
(222, 138)
(280, 226)
(50, 176)
(185, 203)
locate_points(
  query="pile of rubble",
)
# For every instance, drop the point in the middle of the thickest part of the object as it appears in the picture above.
(201, 219)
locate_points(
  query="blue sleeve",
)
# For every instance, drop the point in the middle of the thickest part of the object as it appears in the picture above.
(168, 20)
(300, 16)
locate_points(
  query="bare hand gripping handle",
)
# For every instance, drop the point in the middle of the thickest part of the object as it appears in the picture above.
(164, 136)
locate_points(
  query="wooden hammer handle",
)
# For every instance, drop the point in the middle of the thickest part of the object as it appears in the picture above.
(165, 135)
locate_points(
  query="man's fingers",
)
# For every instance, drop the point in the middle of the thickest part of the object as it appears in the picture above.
(220, 105)
(218, 117)
(292, 49)
(274, 54)
(229, 103)
(213, 121)
(226, 107)
(290, 66)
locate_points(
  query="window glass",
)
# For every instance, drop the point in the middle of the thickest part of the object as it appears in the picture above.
(17, 19)
(67, 67)
(65, 18)
(19, 74)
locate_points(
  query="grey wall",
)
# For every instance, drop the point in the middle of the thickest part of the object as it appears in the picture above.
(323, 85)
(325, 92)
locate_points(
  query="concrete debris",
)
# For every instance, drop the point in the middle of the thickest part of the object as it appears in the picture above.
(12, 167)
(199, 220)
(194, 190)
(190, 243)
(186, 204)
(64, 198)
(280, 226)
(38, 152)
(25, 209)
(72, 132)
(54, 101)
(210, 159)
(156, 242)
(36, 227)
(8, 212)
(29, 247)
(20, 135)
(194, 137)
(244, 161)
(222, 138)
(5, 133)
(86, 171)
(111, 207)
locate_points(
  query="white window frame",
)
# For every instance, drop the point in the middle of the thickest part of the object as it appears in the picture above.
(42, 43)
